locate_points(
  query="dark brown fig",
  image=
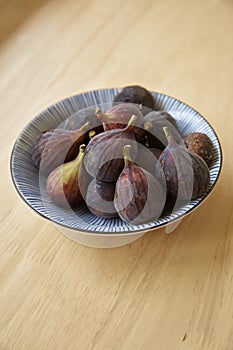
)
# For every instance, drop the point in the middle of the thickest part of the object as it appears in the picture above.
(117, 117)
(63, 185)
(154, 123)
(136, 94)
(139, 196)
(99, 206)
(187, 175)
(56, 147)
(147, 158)
(200, 144)
(76, 120)
(104, 153)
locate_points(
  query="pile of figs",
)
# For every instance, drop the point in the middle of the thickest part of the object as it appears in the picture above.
(130, 161)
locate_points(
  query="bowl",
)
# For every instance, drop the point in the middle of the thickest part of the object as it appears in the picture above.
(81, 225)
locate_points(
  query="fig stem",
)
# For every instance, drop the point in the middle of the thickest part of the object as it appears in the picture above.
(91, 134)
(82, 148)
(126, 153)
(80, 155)
(132, 120)
(147, 126)
(85, 126)
(101, 115)
(169, 135)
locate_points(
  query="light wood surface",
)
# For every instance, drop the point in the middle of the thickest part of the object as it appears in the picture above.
(162, 292)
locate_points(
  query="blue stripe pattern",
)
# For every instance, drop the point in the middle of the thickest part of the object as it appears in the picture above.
(31, 187)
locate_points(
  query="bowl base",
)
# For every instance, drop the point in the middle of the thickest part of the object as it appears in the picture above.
(100, 240)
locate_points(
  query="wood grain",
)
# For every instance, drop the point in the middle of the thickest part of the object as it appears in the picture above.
(165, 292)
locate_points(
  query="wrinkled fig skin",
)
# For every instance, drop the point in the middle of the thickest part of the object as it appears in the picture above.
(136, 94)
(139, 197)
(200, 144)
(154, 123)
(147, 158)
(118, 116)
(97, 205)
(187, 175)
(56, 147)
(104, 153)
(62, 184)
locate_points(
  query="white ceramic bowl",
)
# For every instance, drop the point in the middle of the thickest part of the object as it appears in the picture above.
(82, 226)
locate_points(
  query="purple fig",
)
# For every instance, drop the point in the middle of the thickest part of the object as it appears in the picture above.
(187, 175)
(99, 199)
(56, 147)
(117, 117)
(104, 153)
(154, 123)
(87, 115)
(147, 158)
(139, 196)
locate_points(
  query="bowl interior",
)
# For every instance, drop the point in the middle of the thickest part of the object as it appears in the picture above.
(26, 177)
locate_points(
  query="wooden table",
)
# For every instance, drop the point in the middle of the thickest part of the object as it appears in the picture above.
(165, 292)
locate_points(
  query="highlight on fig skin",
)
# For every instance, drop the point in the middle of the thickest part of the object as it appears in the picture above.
(63, 185)
(139, 197)
(187, 175)
(136, 94)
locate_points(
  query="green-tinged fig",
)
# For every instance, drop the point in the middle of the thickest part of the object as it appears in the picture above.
(56, 147)
(136, 94)
(99, 199)
(104, 153)
(139, 196)
(63, 183)
(117, 117)
(187, 175)
(154, 123)
(200, 144)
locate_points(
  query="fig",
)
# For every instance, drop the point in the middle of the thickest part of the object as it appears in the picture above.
(87, 115)
(56, 147)
(104, 153)
(139, 196)
(106, 190)
(63, 185)
(147, 158)
(117, 117)
(84, 178)
(187, 175)
(136, 94)
(99, 199)
(154, 123)
(156, 152)
(200, 144)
